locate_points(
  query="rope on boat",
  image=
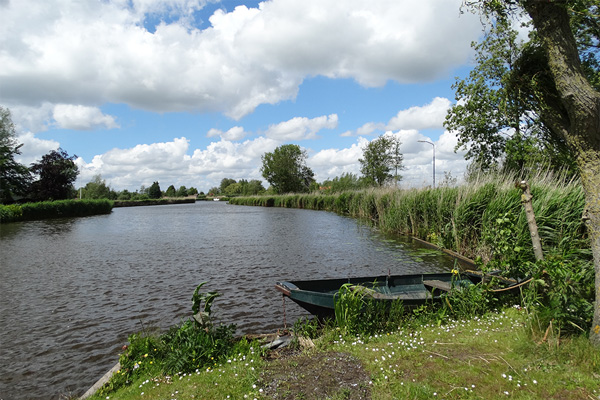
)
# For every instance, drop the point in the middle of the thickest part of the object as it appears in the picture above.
(284, 318)
(513, 286)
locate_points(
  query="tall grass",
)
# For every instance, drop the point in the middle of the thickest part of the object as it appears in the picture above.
(54, 209)
(464, 219)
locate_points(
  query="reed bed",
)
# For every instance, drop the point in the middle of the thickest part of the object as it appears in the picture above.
(469, 219)
(54, 209)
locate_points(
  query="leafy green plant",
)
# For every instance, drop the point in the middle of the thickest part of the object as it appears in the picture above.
(202, 317)
(467, 300)
(306, 327)
(11, 212)
(191, 345)
(563, 293)
(509, 253)
(357, 312)
(194, 343)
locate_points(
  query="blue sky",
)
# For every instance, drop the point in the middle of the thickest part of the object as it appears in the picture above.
(188, 92)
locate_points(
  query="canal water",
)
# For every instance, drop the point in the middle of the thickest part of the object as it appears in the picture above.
(72, 290)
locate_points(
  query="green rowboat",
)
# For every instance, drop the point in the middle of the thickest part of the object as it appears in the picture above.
(317, 296)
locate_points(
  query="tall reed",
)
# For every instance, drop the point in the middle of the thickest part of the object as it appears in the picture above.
(465, 219)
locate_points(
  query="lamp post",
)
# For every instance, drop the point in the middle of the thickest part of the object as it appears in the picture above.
(431, 143)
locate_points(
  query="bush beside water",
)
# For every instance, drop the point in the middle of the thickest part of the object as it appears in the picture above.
(196, 343)
(54, 209)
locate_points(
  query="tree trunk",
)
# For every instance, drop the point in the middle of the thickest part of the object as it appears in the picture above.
(582, 102)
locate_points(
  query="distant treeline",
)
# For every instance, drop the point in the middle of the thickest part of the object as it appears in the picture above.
(54, 209)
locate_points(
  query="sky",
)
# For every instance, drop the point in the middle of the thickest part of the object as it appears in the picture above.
(188, 92)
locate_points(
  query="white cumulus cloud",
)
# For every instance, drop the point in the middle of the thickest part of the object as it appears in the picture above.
(34, 148)
(234, 134)
(69, 116)
(429, 116)
(301, 128)
(70, 52)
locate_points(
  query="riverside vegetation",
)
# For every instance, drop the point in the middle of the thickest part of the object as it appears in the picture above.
(484, 220)
(54, 209)
(470, 345)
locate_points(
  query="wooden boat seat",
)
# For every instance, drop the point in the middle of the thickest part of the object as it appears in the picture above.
(411, 292)
(437, 284)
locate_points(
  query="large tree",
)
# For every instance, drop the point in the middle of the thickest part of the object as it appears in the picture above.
(382, 160)
(286, 170)
(497, 118)
(171, 192)
(182, 191)
(251, 188)
(56, 172)
(97, 189)
(14, 177)
(154, 191)
(574, 109)
(226, 182)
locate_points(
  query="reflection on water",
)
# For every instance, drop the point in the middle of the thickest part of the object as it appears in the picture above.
(72, 290)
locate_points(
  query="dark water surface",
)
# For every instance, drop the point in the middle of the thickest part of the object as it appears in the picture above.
(72, 290)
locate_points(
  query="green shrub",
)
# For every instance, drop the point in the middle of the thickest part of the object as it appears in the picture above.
(11, 212)
(195, 343)
(357, 313)
(55, 209)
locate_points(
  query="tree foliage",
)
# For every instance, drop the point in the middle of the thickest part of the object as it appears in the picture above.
(230, 187)
(252, 187)
(570, 101)
(347, 181)
(14, 177)
(170, 192)
(154, 191)
(182, 191)
(286, 170)
(497, 117)
(97, 189)
(382, 160)
(56, 173)
(225, 182)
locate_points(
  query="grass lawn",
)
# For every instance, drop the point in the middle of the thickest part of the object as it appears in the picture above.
(498, 356)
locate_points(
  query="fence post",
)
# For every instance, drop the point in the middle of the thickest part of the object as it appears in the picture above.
(533, 230)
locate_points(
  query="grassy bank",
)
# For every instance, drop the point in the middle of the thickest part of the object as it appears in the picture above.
(500, 355)
(54, 209)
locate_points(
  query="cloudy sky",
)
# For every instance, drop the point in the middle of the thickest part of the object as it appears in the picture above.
(188, 92)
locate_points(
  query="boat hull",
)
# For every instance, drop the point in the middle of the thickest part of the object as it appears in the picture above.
(318, 296)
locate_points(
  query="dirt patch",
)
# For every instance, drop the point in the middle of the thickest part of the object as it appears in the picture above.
(316, 376)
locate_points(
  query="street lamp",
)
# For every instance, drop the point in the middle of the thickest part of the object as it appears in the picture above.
(431, 143)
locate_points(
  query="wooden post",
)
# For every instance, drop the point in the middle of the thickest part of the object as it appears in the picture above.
(533, 230)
